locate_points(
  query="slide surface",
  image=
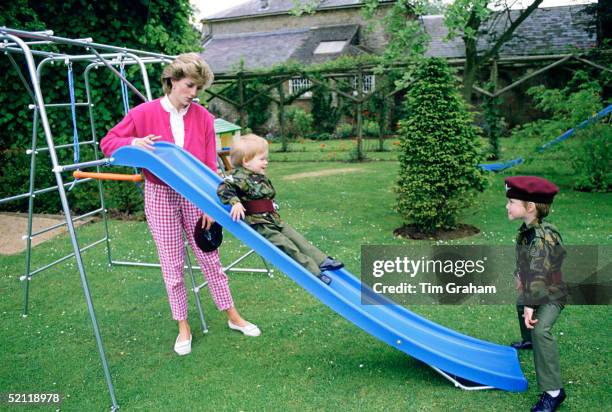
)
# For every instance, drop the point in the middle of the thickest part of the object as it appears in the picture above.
(482, 362)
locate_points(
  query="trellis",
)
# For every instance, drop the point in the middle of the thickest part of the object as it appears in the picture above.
(326, 77)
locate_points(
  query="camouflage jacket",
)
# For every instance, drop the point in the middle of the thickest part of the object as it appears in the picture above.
(243, 185)
(539, 256)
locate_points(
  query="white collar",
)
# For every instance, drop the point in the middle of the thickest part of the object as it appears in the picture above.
(169, 107)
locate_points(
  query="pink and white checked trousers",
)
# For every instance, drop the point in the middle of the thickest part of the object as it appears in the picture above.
(168, 214)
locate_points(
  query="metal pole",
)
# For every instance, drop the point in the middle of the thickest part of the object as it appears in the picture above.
(458, 384)
(123, 79)
(196, 291)
(81, 42)
(92, 125)
(145, 75)
(26, 285)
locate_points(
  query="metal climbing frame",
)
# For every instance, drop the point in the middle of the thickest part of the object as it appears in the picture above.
(28, 45)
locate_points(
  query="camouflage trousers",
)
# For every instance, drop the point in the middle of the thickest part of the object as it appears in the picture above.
(545, 349)
(292, 243)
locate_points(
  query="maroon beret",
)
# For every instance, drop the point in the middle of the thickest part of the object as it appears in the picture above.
(530, 188)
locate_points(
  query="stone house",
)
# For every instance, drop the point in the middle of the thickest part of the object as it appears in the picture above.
(262, 33)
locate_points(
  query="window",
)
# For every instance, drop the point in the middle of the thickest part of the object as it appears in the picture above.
(299, 84)
(369, 83)
(329, 47)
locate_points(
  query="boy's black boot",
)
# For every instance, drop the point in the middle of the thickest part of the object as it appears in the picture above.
(524, 344)
(330, 264)
(547, 403)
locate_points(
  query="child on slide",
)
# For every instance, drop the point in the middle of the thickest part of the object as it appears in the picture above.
(251, 195)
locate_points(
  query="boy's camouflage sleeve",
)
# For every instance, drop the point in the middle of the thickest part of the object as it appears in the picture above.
(229, 191)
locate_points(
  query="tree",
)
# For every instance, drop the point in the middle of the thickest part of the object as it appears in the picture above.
(474, 20)
(325, 113)
(439, 151)
(601, 15)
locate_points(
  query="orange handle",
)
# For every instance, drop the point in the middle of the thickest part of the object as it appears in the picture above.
(107, 176)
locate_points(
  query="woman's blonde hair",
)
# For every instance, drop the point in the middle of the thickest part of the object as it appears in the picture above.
(187, 65)
(246, 148)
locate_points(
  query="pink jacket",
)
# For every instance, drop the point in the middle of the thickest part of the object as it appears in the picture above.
(151, 118)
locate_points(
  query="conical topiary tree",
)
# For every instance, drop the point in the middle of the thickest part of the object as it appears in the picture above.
(439, 151)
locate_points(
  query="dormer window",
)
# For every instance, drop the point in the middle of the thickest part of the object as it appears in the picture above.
(330, 47)
(263, 4)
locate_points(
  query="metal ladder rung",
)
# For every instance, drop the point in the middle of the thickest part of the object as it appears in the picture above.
(247, 270)
(41, 191)
(77, 166)
(200, 287)
(147, 265)
(29, 43)
(61, 146)
(51, 105)
(240, 259)
(65, 257)
(50, 228)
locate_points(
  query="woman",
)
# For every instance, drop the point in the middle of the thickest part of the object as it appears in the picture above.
(175, 118)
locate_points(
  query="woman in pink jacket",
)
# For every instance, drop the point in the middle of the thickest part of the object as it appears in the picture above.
(175, 118)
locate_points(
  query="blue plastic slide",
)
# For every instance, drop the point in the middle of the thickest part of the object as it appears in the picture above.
(457, 355)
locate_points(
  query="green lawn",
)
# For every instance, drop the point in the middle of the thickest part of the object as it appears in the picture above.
(308, 358)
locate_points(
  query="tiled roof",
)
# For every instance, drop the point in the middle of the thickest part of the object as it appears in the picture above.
(254, 8)
(545, 31)
(257, 50)
(265, 49)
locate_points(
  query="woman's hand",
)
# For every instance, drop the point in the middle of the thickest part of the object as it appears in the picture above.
(145, 142)
(237, 212)
(207, 221)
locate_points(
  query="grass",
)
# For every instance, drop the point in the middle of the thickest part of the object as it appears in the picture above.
(304, 150)
(308, 358)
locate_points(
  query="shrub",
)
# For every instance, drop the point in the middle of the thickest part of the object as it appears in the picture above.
(593, 159)
(567, 107)
(344, 131)
(321, 136)
(257, 111)
(439, 151)
(494, 123)
(299, 123)
(589, 150)
(370, 128)
(355, 155)
(324, 113)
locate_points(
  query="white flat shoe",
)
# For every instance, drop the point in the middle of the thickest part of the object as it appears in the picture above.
(183, 347)
(248, 330)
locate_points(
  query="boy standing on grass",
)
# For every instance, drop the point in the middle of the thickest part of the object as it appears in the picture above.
(539, 255)
(251, 195)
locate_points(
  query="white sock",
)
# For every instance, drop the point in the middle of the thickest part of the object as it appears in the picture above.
(554, 394)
